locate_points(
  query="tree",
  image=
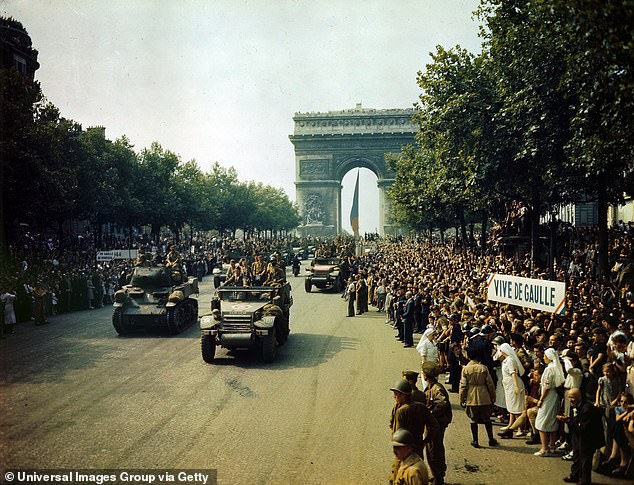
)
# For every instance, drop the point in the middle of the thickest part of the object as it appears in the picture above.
(599, 81)
(18, 98)
(156, 188)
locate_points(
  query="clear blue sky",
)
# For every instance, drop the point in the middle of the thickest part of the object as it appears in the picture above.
(219, 80)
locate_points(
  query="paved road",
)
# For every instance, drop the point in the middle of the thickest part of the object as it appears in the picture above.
(76, 395)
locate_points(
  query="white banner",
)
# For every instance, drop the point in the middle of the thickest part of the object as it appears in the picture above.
(117, 254)
(545, 295)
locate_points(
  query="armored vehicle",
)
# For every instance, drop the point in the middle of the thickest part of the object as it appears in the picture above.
(156, 297)
(247, 317)
(324, 273)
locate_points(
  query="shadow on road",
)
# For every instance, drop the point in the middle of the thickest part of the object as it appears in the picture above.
(302, 350)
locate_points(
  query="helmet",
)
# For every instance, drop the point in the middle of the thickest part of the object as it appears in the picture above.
(402, 437)
(455, 317)
(474, 331)
(466, 327)
(486, 330)
(499, 340)
(402, 386)
(273, 258)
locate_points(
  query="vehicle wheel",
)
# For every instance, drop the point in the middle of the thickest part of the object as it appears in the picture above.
(282, 331)
(117, 323)
(308, 285)
(208, 348)
(269, 347)
(216, 281)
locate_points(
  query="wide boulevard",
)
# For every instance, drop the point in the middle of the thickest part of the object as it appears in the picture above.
(76, 395)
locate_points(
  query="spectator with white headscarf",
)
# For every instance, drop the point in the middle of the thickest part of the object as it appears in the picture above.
(428, 350)
(514, 392)
(548, 404)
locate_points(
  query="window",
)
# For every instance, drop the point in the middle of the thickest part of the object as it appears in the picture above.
(19, 63)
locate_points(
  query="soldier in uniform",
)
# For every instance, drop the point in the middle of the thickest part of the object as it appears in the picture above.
(258, 270)
(142, 258)
(412, 416)
(412, 469)
(173, 259)
(437, 401)
(411, 377)
(351, 293)
(274, 274)
(362, 294)
(39, 293)
(173, 262)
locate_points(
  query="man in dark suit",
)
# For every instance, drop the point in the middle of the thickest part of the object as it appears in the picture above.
(587, 436)
(408, 320)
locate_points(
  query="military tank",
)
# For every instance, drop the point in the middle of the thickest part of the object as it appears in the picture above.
(156, 297)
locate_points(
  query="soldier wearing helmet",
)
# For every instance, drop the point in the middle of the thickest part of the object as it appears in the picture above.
(412, 416)
(412, 469)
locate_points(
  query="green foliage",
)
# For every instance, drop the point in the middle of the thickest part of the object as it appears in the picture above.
(544, 114)
(52, 171)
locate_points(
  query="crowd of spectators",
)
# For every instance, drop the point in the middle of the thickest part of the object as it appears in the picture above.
(591, 343)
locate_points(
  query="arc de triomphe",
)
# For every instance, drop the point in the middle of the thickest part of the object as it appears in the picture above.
(328, 145)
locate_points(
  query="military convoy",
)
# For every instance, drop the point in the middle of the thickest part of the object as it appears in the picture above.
(324, 273)
(254, 317)
(156, 297)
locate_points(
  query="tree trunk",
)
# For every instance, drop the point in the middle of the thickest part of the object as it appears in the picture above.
(483, 234)
(99, 232)
(60, 233)
(603, 226)
(471, 237)
(534, 219)
(156, 232)
(463, 227)
(552, 251)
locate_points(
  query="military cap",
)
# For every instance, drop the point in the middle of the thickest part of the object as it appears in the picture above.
(402, 386)
(410, 375)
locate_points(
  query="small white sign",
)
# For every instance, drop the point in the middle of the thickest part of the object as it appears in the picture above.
(545, 295)
(117, 254)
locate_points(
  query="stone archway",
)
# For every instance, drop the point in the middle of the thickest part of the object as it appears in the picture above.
(328, 145)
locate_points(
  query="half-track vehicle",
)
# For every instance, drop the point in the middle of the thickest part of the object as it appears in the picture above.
(156, 297)
(255, 317)
(324, 273)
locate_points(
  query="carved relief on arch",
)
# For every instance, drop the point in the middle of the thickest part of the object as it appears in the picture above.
(313, 167)
(314, 209)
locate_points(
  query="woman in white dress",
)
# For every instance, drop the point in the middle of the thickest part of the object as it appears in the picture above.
(548, 405)
(8, 298)
(428, 350)
(514, 392)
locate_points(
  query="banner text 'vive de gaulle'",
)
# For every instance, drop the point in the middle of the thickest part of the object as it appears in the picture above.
(545, 295)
